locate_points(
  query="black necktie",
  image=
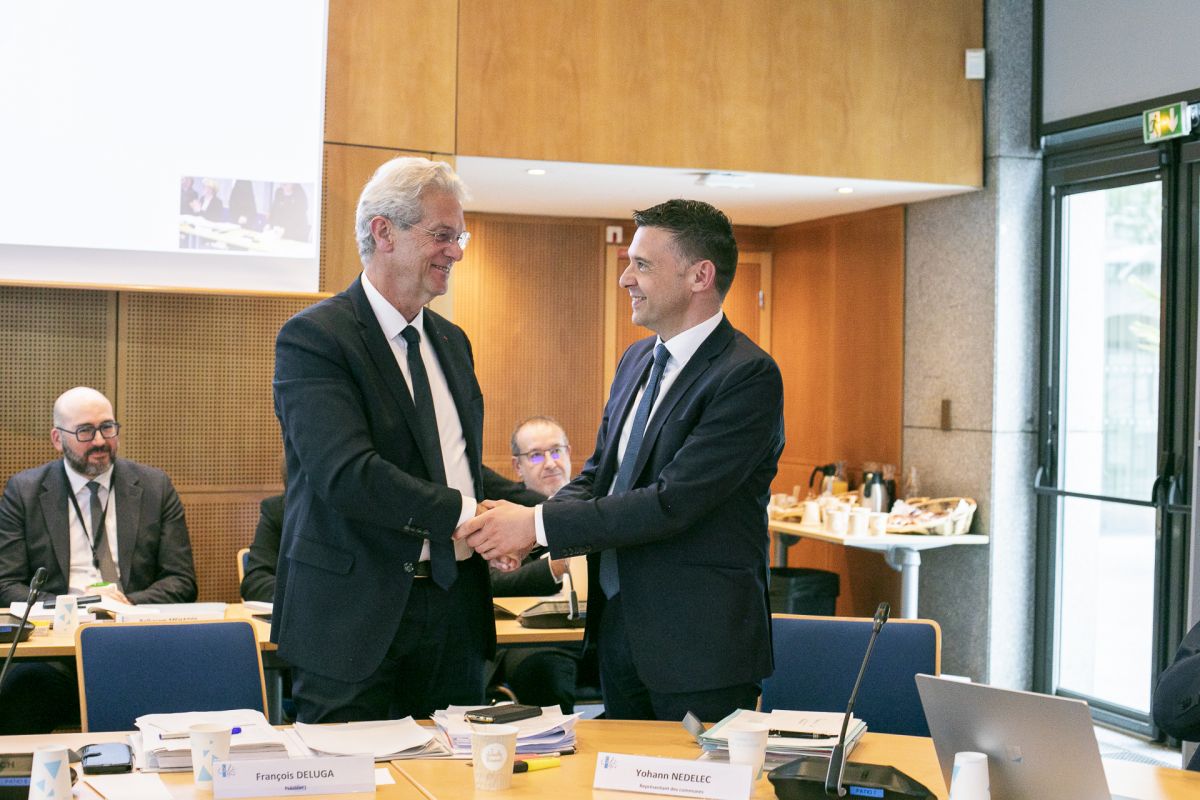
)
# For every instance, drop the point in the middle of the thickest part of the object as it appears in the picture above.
(609, 580)
(441, 554)
(101, 555)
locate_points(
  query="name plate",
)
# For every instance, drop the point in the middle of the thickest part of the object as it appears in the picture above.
(294, 776)
(679, 777)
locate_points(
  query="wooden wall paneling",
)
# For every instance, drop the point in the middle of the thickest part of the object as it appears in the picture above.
(528, 293)
(390, 78)
(219, 525)
(53, 340)
(195, 388)
(824, 87)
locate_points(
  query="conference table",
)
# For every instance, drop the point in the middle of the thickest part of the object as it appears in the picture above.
(440, 779)
(47, 643)
(902, 551)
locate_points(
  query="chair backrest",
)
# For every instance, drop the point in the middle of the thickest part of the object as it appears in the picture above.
(243, 561)
(130, 669)
(817, 660)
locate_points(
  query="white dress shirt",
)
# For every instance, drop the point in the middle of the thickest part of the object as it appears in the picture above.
(84, 572)
(682, 347)
(450, 432)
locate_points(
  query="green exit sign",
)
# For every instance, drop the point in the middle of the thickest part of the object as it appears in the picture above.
(1167, 122)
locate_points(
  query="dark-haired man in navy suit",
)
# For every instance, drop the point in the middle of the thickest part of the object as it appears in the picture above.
(379, 612)
(671, 506)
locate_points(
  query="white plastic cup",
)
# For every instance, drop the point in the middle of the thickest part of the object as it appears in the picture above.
(50, 778)
(492, 751)
(859, 519)
(812, 514)
(66, 614)
(839, 521)
(748, 746)
(210, 744)
(969, 779)
(878, 524)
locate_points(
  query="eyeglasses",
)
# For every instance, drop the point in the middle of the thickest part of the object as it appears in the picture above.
(538, 456)
(446, 237)
(85, 433)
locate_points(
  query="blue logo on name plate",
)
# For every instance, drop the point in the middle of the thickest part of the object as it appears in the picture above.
(864, 791)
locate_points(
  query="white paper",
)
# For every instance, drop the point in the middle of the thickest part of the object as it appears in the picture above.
(383, 777)
(130, 786)
(378, 739)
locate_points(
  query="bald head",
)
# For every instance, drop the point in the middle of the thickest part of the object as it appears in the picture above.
(80, 412)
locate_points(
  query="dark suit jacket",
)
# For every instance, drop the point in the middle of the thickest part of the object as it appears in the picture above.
(691, 535)
(360, 501)
(153, 551)
(259, 581)
(1177, 696)
(532, 579)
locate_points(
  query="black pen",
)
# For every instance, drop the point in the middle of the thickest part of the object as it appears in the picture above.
(799, 734)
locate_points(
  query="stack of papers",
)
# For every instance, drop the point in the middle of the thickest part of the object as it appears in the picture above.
(826, 725)
(162, 743)
(552, 732)
(42, 614)
(386, 740)
(162, 612)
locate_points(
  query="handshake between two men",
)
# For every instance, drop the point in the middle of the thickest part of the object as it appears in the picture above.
(502, 532)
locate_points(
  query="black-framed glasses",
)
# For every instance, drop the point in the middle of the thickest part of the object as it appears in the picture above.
(538, 456)
(85, 433)
(446, 237)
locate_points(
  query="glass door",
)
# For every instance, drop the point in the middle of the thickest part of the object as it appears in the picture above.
(1116, 409)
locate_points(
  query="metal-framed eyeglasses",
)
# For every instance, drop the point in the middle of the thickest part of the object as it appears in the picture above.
(446, 237)
(85, 433)
(539, 456)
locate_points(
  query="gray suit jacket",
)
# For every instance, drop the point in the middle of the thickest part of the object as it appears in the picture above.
(153, 550)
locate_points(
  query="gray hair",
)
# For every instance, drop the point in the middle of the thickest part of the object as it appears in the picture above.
(394, 192)
(537, 419)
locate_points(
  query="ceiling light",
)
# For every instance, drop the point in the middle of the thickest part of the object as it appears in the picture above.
(535, 171)
(845, 190)
(725, 180)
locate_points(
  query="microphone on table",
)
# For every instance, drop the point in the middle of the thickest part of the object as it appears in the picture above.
(35, 586)
(812, 778)
(572, 598)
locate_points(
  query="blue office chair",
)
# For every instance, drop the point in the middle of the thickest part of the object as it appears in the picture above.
(243, 563)
(817, 660)
(130, 669)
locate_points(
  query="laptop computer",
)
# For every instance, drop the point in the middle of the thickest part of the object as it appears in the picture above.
(1038, 746)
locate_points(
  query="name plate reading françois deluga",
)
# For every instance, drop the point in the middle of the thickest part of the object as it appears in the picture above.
(678, 777)
(272, 777)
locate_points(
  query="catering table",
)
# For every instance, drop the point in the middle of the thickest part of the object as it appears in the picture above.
(901, 551)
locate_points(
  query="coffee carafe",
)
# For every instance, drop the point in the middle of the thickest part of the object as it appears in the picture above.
(874, 492)
(827, 473)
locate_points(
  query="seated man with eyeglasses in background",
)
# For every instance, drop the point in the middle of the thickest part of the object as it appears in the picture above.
(541, 676)
(100, 527)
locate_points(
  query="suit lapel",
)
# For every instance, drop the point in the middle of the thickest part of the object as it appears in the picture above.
(622, 402)
(456, 367)
(129, 518)
(697, 365)
(53, 499)
(384, 358)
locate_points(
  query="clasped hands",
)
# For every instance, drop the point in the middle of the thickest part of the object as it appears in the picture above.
(502, 532)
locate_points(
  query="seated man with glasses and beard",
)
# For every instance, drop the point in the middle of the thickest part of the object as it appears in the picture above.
(100, 526)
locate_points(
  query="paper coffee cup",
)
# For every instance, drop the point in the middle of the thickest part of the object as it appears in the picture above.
(66, 613)
(748, 746)
(50, 778)
(879, 521)
(859, 518)
(969, 779)
(812, 514)
(210, 744)
(492, 750)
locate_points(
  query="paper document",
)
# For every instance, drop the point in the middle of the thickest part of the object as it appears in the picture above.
(552, 731)
(162, 612)
(129, 786)
(826, 724)
(164, 743)
(385, 740)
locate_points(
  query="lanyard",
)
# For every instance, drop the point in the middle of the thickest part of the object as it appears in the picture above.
(91, 536)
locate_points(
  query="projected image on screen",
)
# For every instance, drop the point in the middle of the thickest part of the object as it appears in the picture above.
(238, 215)
(159, 145)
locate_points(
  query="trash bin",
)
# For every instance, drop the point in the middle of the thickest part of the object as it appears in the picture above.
(801, 590)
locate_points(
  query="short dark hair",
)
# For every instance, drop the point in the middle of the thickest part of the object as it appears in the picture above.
(540, 419)
(701, 232)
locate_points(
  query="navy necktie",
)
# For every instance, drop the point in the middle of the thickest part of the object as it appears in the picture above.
(609, 580)
(441, 554)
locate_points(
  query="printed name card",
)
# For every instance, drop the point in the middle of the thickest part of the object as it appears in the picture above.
(294, 776)
(679, 777)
